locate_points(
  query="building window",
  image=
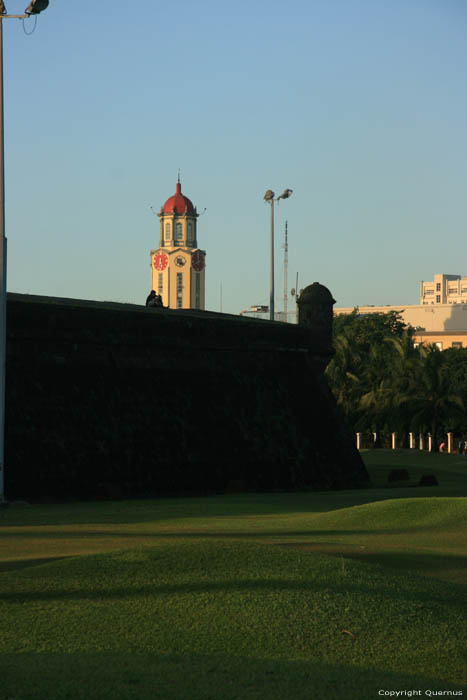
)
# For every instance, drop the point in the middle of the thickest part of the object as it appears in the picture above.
(456, 344)
(438, 286)
(197, 290)
(429, 291)
(178, 232)
(190, 230)
(160, 283)
(179, 290)
(438, 299)
(167, 232)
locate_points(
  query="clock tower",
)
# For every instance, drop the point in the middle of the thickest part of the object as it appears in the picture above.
(178, 265)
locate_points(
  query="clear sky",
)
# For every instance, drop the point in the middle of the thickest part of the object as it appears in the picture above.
(359, 106)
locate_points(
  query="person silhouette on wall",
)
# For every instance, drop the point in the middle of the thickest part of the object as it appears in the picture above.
(151, 297)
(154, 299)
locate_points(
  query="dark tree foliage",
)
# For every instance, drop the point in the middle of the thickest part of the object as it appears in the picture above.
(369, 329)
(455, 367)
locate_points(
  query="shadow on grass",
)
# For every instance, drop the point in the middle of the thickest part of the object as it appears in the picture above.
(196, 534)
(336, 583)
(224, 505)
(430, 564)
(105, 676)
(243, 531)
(16, 564)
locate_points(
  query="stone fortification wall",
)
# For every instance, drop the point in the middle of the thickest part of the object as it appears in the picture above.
(110, 400)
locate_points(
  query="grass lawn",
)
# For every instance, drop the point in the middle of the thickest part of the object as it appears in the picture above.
(300, 595)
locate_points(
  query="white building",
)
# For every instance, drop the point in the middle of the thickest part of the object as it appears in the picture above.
(445, 289)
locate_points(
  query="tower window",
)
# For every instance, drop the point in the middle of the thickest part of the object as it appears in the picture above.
(190, 231)
(438, 286)
(167, 231)
(438, 299)
(160, 283)
(197, 290)
(178, 231)
(179, 290)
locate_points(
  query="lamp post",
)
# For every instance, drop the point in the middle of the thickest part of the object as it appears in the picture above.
(270, 198)
(34, 8)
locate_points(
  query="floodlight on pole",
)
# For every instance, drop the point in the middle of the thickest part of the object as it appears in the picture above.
(34, 8)
(285, 194)
(270, 198)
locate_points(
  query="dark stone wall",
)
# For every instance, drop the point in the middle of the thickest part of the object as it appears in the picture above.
(111, 400)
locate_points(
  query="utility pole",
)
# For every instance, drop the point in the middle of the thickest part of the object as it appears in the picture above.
(3, 268)
(286, 264)
(34, 8)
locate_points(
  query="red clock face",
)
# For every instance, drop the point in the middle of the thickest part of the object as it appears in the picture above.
(160, 261)
(197, 261)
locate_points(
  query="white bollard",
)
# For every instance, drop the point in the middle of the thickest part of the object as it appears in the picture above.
(450, 443)
(394, 441)
(429, 443)
(420, 438)
(411, 441)
(359, 436)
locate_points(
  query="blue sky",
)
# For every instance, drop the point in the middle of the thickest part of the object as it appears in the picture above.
(359, 106)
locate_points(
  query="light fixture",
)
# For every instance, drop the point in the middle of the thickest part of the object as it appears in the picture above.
(285, 194)
(36, 6)
(270, 198)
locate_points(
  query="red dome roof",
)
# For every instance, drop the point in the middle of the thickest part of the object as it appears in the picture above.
(179, 203)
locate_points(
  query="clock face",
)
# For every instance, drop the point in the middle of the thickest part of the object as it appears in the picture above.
(160, 261)
(197, 261)
(180, 261)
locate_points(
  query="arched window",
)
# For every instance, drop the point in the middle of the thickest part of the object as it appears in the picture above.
(190, 231)
(178, 231)
(167, 231)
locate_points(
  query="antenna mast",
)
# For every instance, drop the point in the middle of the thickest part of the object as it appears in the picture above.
(286, 264)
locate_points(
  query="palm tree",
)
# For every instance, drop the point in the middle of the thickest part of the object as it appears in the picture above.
(404, 369)
(429, 394)
(342, 374)
(377, 397)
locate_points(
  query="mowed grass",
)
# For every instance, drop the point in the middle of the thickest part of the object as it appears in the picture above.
(326, 595)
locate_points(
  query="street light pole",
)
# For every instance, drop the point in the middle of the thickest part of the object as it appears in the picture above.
(269, 197)
(271, 286)
(34, 8)
(3, 269)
